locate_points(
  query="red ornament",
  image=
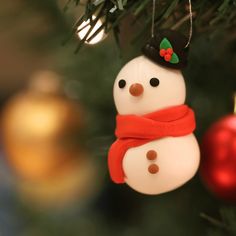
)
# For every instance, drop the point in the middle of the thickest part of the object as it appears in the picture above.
(167, 57)
(169, 51)
(162, 52)
(218, 167)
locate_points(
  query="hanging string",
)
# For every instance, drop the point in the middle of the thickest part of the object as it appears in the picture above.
(191, 23)
(190, 20)
(235, 103)
(153, 17)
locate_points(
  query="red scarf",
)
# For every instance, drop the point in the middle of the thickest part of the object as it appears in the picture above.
(132, 131)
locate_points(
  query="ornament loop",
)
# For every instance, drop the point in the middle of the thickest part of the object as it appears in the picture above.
(235, 103)
(191, 24)
(153, 17)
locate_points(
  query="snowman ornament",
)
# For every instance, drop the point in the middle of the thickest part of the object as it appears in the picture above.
(156, 150)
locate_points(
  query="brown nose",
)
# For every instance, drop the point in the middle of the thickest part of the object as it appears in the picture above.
(136, 89)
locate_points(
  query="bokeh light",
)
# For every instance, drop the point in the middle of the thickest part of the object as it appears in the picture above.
(85, 27)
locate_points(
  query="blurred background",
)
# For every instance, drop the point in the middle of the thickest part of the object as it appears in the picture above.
(58, 120)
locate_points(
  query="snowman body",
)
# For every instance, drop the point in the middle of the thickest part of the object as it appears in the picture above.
(176, 162)
(164, 164)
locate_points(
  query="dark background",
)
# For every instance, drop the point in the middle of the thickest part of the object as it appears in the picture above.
(31, 33)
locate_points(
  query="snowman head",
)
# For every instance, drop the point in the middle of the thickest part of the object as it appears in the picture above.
(143, 86)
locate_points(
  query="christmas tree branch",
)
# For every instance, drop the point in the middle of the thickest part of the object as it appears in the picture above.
(213, 221)
(112, 13)
(227, 224)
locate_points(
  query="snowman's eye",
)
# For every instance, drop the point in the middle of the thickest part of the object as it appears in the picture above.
(154, 82)
(122, 83)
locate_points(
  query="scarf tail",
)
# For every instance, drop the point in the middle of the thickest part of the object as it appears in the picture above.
(115, 157)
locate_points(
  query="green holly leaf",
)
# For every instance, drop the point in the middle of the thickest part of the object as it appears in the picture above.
(174, 59)
(165, 43)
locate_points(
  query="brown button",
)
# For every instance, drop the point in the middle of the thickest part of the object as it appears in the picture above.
(153, 168)
(151, 155)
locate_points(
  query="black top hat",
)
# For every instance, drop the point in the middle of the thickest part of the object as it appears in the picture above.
(167, 48)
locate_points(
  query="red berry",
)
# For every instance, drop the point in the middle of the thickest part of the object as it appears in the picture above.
(167, 57)
(169, 51)
(162, 52)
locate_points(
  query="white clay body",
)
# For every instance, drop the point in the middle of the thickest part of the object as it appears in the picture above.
(177, 159)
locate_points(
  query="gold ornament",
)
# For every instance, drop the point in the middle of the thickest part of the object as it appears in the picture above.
(42, 134)
(40, 128)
